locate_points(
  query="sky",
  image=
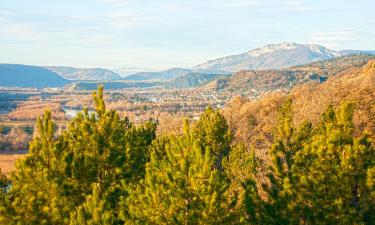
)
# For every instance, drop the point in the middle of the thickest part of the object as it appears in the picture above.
(173, 33)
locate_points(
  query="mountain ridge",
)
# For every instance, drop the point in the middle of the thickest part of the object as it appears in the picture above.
(276, 56)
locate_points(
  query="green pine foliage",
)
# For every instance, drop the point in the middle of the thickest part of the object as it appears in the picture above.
(331, 173)
(103, 169)
(288, 141)
(182, 184)
(95, 210)
(318, 175)
(212, 133)
(98, 150)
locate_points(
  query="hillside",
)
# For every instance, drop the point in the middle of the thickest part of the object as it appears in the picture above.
(16, 75)
(158, 76)
(71, 73)
(253, 120)
(193, 80)
(126, 71)
(258, 82)
(276, 56)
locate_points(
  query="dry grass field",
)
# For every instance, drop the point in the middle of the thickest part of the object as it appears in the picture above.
(7, 162)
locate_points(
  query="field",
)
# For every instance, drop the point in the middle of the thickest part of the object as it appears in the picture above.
(7, 162)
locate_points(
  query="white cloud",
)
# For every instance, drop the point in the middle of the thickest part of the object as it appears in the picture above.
(269, 6)
(334, 39)
(121, 19)
(117, 2)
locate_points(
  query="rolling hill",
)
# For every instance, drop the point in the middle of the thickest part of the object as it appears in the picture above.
(258, 82)
(92, 74)
(16, 75)
(158, 76)
(193, 80)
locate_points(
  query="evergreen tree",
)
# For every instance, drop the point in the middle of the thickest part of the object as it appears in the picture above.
(105, 170)
(56, 178)
(331, 173)
(288, 140)
(94, 211)
(33, 198)
(4, 186)
(212, 132)
(241, 166)
(181, 186)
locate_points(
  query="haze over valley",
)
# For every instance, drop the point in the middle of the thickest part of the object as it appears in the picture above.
(272, 56)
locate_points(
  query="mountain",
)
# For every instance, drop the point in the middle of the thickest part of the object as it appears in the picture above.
(71, 73)
(258, 82)
(16, 75)
(192, 80)
(159, 76)
(275, 56)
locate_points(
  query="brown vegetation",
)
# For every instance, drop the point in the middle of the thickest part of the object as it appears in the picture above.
(253, 121)
(15, 140)
(7, 162)
(32, 109)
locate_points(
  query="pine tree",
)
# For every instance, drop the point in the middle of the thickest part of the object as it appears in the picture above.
(104, 150)
(33, 198)
(181, 186)
(58, 175)
(288, 140)
(4, 186)
(95, 210)
(241, 166)
(331, 173)
(212, 132)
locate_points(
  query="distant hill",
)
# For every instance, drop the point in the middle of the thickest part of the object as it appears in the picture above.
(357, 52)
(97, 74)
(126, 71)
(276, 56)
(170, 74)
(258, 82)
(108, 85)
(16, 75)
(159, 76)
(193, 80)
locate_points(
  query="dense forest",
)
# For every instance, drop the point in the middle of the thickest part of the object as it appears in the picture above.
(103, 169)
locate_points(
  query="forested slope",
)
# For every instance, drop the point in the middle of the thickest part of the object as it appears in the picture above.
(105, 170)
(253, 121)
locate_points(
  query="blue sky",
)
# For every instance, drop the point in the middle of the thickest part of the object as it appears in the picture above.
(166, 33)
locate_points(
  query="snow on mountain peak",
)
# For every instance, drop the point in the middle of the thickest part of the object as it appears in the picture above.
(273, 56)
(322, 50)
(272, 47)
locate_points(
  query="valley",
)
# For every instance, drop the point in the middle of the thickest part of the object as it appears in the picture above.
(168, 101)
(163, 112)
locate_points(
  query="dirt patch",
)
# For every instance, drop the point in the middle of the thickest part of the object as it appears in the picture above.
(7, 162)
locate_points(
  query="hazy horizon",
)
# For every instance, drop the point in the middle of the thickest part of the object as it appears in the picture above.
(163, 34)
